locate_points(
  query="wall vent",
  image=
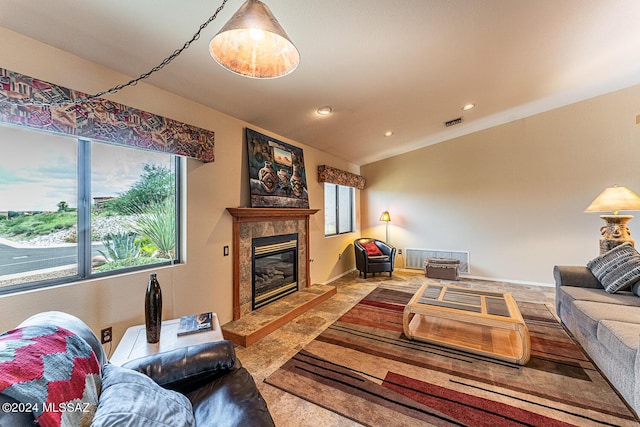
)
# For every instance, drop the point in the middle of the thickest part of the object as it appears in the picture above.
(453, 122)
(414, 258)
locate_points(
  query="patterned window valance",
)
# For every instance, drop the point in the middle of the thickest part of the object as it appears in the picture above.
(101, 120)
(338, 176)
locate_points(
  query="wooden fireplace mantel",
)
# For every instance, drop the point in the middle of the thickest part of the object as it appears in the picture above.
(269, 214)
(244, 215)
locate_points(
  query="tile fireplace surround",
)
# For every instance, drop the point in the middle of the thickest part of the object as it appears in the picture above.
(249, 223)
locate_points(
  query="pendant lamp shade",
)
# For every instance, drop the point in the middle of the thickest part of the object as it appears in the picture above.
(253, 44)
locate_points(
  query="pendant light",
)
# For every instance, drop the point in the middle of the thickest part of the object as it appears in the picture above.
(253, 44)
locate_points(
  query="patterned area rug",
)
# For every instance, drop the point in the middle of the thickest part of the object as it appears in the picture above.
(364, 368)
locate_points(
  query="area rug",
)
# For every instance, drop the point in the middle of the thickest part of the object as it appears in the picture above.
(364, 368)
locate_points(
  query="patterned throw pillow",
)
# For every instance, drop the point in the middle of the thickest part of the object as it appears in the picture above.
(617, 269)
(372, 249)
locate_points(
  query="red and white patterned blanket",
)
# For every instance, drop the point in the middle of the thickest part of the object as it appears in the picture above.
(52, 372)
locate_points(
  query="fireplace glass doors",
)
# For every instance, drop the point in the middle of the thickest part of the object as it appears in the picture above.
(274, 267)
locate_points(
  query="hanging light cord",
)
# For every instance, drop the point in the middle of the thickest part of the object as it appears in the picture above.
(135, 81)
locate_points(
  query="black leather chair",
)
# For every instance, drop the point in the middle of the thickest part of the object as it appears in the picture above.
(366, 263)
(222, 392)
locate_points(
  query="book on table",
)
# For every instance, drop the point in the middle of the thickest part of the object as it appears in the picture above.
(195, 323)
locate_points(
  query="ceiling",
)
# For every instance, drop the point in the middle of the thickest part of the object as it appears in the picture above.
(406, 66)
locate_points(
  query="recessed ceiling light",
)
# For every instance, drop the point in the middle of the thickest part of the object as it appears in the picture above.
(324, 111)
(388, 133)
(468, 107)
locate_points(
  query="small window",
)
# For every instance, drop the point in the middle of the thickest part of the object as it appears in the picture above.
(339, 209)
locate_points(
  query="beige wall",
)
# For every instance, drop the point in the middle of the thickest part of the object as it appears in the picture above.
(512, 195)
(204, 282)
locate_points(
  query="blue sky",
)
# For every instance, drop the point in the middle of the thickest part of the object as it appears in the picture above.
(38, 170)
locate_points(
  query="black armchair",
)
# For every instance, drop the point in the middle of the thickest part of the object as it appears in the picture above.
(368, 260)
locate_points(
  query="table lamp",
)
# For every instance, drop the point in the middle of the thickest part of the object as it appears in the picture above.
(386, 218)
(616, 231)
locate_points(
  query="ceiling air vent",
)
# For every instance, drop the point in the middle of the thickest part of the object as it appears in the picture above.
(453, 122)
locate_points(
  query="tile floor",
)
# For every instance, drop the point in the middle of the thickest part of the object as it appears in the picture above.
(264, 357)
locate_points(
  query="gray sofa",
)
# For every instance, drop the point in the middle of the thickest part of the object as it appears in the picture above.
(606, 325)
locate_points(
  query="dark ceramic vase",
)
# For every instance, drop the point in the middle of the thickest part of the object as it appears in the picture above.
(153, 310)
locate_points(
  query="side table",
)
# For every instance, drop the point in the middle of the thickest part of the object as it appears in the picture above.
(134, 341)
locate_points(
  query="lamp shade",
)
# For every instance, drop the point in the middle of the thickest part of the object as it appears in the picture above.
(385, 216)
(253, 44)
(615, 199)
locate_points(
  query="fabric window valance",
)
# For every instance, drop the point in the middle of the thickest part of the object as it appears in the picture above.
(100, 120)
(338, 176)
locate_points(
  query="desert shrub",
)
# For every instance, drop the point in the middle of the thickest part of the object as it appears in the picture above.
(157, 223)
(120, 246)
(38, 224)
(147, 247)
(129, 262)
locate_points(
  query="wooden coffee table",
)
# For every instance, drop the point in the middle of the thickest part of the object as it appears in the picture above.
(477, 321)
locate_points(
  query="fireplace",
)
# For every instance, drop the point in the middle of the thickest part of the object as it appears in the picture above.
(255, 223)
(269, 227)
(274, 268)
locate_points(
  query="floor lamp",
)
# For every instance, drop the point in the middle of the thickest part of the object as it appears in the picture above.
(386, 218)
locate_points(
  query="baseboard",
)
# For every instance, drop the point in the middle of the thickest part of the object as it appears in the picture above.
(462, 276)
(493, 279)
(515, 282)
(339, 276)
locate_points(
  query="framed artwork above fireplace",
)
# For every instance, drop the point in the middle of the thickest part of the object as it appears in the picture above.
(277, 176)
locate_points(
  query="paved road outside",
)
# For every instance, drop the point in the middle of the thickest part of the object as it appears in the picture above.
(19, 259)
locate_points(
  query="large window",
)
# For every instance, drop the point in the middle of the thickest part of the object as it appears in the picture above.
(339, 212)
(72, 209)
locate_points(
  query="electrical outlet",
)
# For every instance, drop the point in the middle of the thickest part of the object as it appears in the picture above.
(339, 257)
(106, 335)
(225, 251)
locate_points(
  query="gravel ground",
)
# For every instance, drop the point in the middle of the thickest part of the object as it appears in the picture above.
(100, 227)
